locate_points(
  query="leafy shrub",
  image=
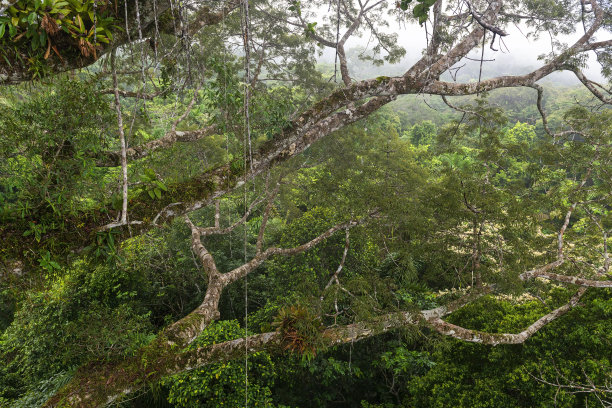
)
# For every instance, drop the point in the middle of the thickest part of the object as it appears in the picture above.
(223, 384)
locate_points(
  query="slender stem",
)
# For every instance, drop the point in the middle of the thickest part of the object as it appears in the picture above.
(121, 138)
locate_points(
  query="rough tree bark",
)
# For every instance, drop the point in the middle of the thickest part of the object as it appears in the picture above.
(166, 355)
(339, 109)
(97, 385)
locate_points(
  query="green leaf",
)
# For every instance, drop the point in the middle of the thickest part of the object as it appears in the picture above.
(149, 172)
(419, 10)
(161, 185)
(404, 4)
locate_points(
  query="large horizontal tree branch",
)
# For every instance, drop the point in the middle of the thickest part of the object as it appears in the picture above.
(182, 198)
(331, 336)
(97, 385)
(330, 114)
(468, 43)
(574, 280)
(128, 376)
(113, 158)
(109, 381)
(337, 110)
(130, 94)
(357, 331)
(474, 336)
(387, 86)
(341, 108)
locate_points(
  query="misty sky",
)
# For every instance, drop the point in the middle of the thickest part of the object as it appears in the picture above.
(521, 57)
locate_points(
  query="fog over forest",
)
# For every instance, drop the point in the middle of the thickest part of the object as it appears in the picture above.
(305, 204)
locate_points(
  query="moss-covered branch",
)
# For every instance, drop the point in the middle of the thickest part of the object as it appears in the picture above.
(97, 385)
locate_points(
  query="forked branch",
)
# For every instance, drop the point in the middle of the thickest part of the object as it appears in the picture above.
(474, 336)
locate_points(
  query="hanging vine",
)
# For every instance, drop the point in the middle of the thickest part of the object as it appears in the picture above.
(247, 141)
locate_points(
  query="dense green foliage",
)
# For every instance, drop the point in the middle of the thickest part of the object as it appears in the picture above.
(105, 311)
(223, 385)
(51, 28)
(446, 201)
